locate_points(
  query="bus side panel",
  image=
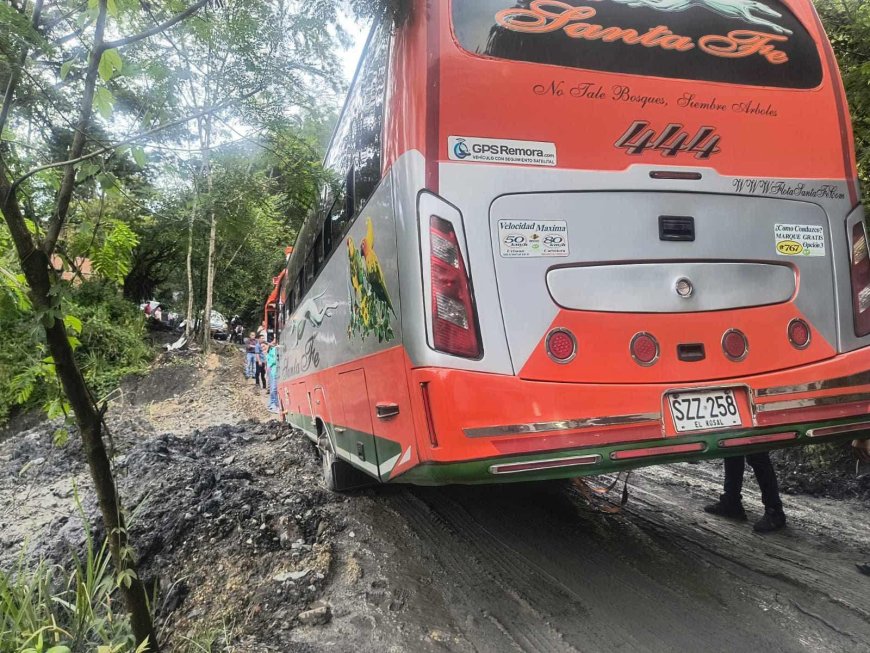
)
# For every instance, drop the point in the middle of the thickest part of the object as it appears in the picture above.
(356, 444)
(350, 320)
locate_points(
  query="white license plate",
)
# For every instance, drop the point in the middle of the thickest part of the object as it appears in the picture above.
(700, 411)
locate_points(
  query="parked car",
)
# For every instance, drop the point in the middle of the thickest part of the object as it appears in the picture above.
(220, 328)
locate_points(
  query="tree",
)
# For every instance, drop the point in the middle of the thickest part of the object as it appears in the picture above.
(35, 206)
(277, 61)
(90, 93)
(848, 25)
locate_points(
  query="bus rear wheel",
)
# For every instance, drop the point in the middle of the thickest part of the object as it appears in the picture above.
(338, 475)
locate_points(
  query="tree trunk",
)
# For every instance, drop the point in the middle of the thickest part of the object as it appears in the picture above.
(35, 265)
(212, 238)
(209, 285)
(188, 323)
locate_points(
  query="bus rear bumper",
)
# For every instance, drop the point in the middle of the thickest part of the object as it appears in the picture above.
(593, 460)
(496, 429)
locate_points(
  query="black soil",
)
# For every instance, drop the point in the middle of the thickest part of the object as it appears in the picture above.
(162, 383)
(825, 470)
(231, 511)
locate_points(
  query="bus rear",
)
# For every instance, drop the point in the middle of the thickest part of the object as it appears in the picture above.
(639, 237)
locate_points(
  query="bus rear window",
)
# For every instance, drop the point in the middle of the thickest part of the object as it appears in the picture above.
(744, 42)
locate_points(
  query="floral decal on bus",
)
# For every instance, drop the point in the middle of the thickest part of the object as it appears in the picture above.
(370, 304)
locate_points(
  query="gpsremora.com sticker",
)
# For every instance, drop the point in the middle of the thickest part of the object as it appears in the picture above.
(496, 150)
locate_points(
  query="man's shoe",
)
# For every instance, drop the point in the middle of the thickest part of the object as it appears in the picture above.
(773, 520)
(727, 507)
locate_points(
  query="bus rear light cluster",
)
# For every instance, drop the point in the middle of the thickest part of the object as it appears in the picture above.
(561, 345)
(735, 345)
(454, 322)
(860, 279)
(644, 349)
(799, 334)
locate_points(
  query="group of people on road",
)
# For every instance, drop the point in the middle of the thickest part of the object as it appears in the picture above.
(261, 362)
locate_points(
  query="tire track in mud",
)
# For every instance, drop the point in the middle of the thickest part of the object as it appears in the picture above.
(812, 576)
(768, 557)
(499, 592)
(550, 575)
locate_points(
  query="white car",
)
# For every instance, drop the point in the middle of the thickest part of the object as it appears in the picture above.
(220, 328)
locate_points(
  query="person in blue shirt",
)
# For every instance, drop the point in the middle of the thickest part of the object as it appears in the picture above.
(272, 364)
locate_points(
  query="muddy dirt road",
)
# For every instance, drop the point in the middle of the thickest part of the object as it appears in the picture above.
(523, 569)
(252, 554)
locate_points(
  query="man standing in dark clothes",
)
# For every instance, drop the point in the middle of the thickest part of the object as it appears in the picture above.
(251, 356)
(730, 503)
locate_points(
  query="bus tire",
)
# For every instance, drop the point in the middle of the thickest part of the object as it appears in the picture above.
(338, 475)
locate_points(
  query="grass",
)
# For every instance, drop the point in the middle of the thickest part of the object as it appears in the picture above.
(49, 609)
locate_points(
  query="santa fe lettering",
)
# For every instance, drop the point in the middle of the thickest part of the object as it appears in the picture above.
(545, 16)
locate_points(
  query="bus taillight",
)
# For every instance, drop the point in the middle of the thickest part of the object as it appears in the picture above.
(561, 345)
(860, 279)
(644, 349)
(799, 334)
(735, 345)
(454, 322)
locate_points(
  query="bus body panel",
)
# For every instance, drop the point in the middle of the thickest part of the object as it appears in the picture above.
(622, 230)
(762, 131)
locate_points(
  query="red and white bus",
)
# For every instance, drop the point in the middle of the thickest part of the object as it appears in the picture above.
(577, 236)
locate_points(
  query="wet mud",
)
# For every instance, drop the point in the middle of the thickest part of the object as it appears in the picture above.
(246, 547)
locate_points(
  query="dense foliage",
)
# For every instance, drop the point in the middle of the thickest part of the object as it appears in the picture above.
(848, 25)
(49, 609)
(235, 106)
(111, 343)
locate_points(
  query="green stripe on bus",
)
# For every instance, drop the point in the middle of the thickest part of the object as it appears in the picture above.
(478, 471)
(346, 439)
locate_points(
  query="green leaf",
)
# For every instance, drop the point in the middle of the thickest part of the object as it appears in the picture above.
(104, 101)
(61, 437)
(126, 577)
(73, 323)
(65, 67)
(139, 156)
(112, 8)
(59, 649)
(110, 63)
(114, 259)
(107, 180)
(57, 408)
(87, 170)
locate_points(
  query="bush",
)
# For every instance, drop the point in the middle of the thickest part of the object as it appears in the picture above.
(113, 337)
(112, 345)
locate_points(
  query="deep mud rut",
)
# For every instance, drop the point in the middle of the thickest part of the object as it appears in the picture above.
(234, 526)
(535, 569)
